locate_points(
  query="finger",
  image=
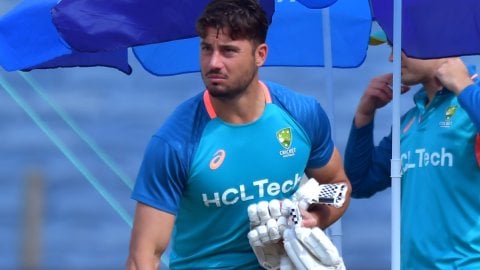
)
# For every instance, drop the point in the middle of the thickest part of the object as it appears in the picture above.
(275, 208)
(263, 234)
(309, 220)
(253, 215)
(263, 212)
(380, 97)
(286, 205)
(379, 89)
(404, 89)
(282, 224)
(254, 238)
(273, 230)
(385, 79)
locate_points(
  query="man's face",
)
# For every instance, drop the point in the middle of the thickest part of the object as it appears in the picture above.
(417, 71)
(228, 66)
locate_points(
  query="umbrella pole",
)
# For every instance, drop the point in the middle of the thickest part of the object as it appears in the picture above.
(335, 230)
(396, 162)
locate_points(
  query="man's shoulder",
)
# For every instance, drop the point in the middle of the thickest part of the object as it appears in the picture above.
(187, 117)
(288, 98)
(282, 90)
(189, 104)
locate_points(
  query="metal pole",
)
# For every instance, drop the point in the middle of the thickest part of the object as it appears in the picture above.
(396, 162)
(335, 230)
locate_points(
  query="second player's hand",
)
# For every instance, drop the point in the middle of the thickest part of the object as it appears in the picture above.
(378, 94)
(453, 75)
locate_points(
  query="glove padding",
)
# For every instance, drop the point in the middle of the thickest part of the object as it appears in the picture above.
(313, 192)
(302, 248)
(268, 220)
(310, 248)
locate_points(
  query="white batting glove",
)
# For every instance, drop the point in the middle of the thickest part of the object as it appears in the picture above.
(313, 192)
(272, 221)
(267, 224)
(310, 248)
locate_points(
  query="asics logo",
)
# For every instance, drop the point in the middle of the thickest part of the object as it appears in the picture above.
(217, 159)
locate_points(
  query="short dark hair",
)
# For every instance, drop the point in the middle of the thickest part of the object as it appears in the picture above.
(246, 19)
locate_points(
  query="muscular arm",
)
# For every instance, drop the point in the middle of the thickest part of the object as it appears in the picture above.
(332, 172)
(150, 237)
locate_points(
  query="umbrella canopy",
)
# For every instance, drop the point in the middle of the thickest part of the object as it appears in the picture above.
(433, 29)
(47, 34)
(295, 38)
(99, 25)
(29, 39)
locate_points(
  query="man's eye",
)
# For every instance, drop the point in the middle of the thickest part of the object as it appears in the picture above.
(205, 49)
(229, 51)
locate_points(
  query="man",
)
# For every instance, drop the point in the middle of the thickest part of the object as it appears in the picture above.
(440, 145)
(239, 142)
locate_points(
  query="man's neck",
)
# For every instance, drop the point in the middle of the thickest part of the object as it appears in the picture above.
(432, 87)
(243, 109)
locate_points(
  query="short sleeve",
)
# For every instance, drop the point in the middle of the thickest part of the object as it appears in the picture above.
(161, 177)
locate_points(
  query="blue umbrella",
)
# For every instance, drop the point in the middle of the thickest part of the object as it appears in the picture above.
(295, 38)
(29, 39)
(99, 25)
(433, 29)
(44, 34)
(48, 33)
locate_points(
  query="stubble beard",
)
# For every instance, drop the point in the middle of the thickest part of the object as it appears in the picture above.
(233, 92)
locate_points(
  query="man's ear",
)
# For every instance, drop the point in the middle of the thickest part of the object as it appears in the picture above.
(261, 54)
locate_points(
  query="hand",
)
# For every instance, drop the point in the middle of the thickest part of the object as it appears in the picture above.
(312, 196)
(268, 220)
(311, 249)
(377, 95)
(453, 75)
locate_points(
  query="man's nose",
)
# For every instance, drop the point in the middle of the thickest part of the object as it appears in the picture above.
(216, 60)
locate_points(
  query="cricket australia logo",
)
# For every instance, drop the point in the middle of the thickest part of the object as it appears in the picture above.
(447, 121)
(284, 137)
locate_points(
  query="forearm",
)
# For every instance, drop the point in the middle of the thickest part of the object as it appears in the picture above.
(367, 166)
(358, 154)
(150, 237)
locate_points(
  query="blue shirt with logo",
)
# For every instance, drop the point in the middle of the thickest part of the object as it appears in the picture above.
(440, 199)
(207, 172)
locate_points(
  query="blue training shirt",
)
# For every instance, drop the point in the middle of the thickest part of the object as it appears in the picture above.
(207, 172)
(440, 208)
